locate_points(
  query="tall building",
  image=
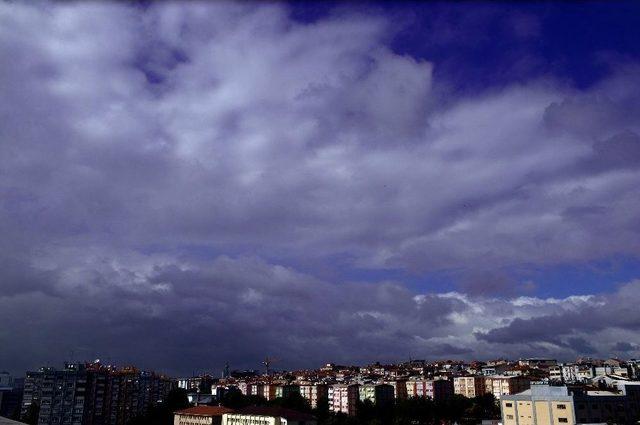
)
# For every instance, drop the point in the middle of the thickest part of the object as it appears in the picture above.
(469, 386)
(91, 394)
(343, 398)
(562, 405)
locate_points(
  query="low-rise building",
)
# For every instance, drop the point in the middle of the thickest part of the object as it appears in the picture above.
(267, 415)
(562, 405)
(200, 415)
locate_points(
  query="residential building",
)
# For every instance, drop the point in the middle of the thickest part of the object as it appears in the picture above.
(469, 386)
(200, 415)
(269, 391)
(543, 404)
(316, 394)
(538, 362)
(500, 385)
(379, 394)
(267, 415)
(283, 391)
(436, 389)
(399, 388)
(257, 389)
(200, 384)
(90, 394)
(343, 398)
(245, 388)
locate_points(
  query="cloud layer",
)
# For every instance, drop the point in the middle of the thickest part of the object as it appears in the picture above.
(179, 182)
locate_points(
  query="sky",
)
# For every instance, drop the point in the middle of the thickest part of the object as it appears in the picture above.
(188, 184)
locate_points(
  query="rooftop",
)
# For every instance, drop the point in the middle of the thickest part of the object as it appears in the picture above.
(205, 411)
(275, 411)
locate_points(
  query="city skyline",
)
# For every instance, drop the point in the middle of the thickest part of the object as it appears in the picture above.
(188, 184)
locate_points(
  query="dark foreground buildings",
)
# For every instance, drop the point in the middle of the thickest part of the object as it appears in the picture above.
(90, 394)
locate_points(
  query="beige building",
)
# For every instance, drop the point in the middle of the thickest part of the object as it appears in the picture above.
(200, 415)
(561, 405)
(267, 415)
(315, 394)
(469, 386)
(500, 385)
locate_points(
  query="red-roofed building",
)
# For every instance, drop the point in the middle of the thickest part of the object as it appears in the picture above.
(200, 415)
(268, 415)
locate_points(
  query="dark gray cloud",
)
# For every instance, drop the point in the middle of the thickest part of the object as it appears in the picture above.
(613, 314)
(168, 172)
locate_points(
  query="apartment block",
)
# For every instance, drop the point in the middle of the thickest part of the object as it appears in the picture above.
(89, 394)
(436, 389)
(469, 386)
(343, 398)
(562, 405)
(378, 394)
(500, 385)
(315, 394)
(283, 391)
(399, 388)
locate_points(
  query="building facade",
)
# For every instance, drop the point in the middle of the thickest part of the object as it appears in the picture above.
(500, 385)
(469, 386)
(316, 394)
(89, 394)
(267, 415)
(200, 415)
(561, 405)
(343, 398)
(378, 394)
(436, 389)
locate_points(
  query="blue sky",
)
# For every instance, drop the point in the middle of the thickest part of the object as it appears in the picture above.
(376, 181)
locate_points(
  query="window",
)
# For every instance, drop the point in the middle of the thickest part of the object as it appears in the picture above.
(508, 404)
(563, 420)
(562, 406)
(509, 416)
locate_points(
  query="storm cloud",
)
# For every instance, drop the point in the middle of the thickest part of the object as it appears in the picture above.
(185, 184)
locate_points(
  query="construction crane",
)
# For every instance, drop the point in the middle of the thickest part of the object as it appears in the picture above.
(267, 362)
